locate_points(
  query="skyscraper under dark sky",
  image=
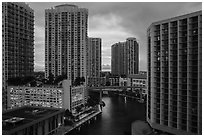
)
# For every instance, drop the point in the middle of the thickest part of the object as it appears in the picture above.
(17, 42)
(125, 57)
(118, 51)
(174, 102)
(94, 57)
(132, 56)
(66, 41)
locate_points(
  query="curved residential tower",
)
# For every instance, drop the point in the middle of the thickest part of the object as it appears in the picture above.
(174, 102)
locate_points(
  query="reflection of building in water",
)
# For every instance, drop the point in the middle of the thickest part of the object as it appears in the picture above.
(125, 99)
(61, 96)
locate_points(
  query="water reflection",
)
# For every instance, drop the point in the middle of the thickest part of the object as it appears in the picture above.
(116, 119)
(125, 99)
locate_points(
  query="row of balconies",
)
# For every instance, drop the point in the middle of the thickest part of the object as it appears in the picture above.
(183, 35)
(173, 91)
(181, 107)
(180, 99)
(20, 15)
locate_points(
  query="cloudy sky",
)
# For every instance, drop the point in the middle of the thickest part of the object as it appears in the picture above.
(113, 22)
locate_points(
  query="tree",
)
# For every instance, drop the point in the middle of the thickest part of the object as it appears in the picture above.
(79, 80)
(68, 117)
(108, 83)
(28, 79)
(14, 81)
(123, 75)
(102, 74)
(20, 80)
(67, 113)
(82, 105)
(78, 109)
(44, 81)
(50, 78)
(91, 102)
(82, 80)
(33, 83)
(60, 78)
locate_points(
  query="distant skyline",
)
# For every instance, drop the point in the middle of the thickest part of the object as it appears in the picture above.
(113, 22)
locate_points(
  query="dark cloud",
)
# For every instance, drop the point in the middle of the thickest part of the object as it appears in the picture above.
(115, 21)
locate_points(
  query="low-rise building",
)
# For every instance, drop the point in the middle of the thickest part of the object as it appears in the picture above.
(136, 80)
(62, 96)
(114, 80)
(32, 120)
(96, 81)
(124, 81)
(143, 72)
(139, 81)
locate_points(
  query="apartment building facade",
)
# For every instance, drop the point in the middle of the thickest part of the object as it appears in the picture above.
(66, 41)
(64, 96)
(125, 57)
(132, 56)
(119, 59)
(174, 102)
(17, 43)
(94, 57)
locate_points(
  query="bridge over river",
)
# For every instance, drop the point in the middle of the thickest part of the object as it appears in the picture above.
(102, 89)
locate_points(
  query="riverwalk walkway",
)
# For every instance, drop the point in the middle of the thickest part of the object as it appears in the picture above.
(65, 129)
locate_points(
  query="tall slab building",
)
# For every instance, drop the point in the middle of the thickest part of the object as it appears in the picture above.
(119, 58)
(174, 102)
(125, 57)
(94, 57)
(17, 43)
(66, 41)
(132, 56)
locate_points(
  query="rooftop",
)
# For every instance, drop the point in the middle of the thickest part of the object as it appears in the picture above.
(131, 38)
(66, 5)
(19, 118)
(175, 18)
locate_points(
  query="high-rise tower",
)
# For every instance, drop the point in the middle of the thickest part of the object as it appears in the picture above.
(17, 43)
(125, 57)
(174, 102)
(132, 56)
(94, 57)
(66, 41)
(119, 58)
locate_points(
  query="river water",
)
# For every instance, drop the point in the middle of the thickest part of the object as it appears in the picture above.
(116, 118)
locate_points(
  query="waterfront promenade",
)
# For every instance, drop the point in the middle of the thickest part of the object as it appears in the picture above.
(85, 118)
